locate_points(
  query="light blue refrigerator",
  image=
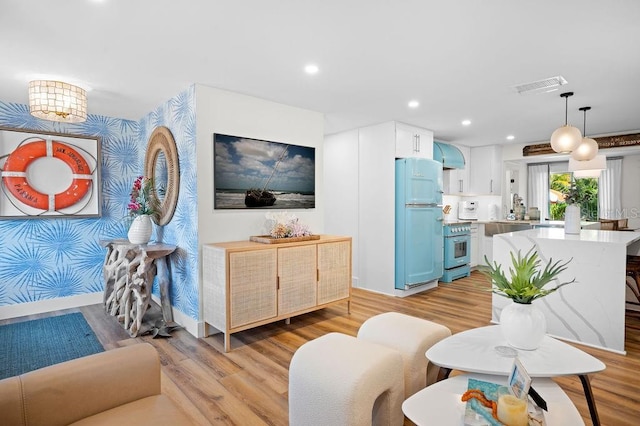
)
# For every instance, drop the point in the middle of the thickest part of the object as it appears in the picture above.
(419, 240)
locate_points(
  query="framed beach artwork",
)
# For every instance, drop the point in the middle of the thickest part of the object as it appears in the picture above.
(259, 174)
(47, 175)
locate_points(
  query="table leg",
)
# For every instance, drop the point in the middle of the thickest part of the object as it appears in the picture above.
(163, 284)
(588, 393)
(443, 374)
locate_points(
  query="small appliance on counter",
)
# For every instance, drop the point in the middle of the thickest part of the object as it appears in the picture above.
(493, 212)
(468, 210)
(534, 213)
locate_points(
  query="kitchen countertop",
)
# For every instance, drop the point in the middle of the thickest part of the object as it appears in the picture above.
(586, 235)
(543, 223)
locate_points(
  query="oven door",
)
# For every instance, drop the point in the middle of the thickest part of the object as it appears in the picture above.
(457, 251)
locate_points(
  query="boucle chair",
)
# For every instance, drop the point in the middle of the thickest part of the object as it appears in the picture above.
(340, 380)
(412, 337)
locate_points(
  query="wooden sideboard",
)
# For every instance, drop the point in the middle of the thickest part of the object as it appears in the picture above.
(248, 284)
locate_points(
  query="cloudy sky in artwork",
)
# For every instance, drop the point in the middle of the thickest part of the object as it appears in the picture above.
(243, 163)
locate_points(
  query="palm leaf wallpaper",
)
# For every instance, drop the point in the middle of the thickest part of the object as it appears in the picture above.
(49, 258)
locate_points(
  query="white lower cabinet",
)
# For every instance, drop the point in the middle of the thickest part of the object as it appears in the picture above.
(474, 252)
(247, 284)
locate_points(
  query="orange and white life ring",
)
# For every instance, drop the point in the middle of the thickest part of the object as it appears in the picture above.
(14, 175)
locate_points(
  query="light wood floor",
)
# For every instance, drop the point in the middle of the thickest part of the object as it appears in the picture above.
(248, 386)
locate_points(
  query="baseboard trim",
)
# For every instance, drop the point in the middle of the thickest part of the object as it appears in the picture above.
(194, 327)
(49, 305)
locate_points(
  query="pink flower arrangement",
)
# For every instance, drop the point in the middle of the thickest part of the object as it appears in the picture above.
(141, 201)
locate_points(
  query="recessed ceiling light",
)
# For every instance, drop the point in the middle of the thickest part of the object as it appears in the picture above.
(311, 69)
(414, 104)
(510, 137)
(466, 122)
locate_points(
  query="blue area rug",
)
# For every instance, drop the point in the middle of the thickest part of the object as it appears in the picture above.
(29, 345)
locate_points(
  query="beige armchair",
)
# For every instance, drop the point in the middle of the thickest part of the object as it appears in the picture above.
(116, 387)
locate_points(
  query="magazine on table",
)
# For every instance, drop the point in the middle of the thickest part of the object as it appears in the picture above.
(478, 413)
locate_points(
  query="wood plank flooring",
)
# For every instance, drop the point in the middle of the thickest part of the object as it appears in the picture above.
(248, 386)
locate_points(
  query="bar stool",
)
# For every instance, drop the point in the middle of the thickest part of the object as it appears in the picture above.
(633, 271)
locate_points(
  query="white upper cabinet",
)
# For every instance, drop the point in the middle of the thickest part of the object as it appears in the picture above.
(413, 142)
(486, 170)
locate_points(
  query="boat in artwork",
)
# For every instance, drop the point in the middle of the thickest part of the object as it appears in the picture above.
(263, 197)
(259, 198)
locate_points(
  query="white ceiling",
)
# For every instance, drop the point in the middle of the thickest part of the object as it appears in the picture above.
(458, 58)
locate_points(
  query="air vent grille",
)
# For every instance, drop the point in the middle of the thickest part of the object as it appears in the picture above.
(541, 86)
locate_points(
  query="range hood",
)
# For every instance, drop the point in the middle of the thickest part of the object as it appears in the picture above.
(448, 155)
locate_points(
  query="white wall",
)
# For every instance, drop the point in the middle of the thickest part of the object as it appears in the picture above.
(220, 111)
(341, 182)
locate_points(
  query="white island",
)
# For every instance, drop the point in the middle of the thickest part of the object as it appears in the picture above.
(590, 311)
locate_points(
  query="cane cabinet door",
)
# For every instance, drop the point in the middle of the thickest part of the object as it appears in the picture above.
(334, 271)
(297, 282)
(252, 286)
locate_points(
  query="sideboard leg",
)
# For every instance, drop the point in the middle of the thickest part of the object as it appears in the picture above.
(227, 342)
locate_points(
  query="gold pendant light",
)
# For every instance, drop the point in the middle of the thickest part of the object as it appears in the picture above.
(566, 138)
(588, 148)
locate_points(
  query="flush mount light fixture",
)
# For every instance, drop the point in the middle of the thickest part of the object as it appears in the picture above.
(588, 148)
(466, 122)
(414, 104)
(510, 137)
(57, 101)
(311, 69)
(566, 138)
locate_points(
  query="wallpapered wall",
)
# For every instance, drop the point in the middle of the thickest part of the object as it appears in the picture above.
(179, 115)
(50, 258)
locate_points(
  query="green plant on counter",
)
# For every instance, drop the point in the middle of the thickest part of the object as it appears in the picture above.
(527, 278)
(578, 193)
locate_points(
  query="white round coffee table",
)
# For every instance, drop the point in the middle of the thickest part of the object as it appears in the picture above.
(482, 350)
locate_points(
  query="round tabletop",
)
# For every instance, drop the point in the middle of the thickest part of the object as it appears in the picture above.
(441, 404)
(483, 350)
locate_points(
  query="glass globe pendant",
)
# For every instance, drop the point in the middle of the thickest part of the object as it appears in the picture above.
(566, 138)
(588, 148)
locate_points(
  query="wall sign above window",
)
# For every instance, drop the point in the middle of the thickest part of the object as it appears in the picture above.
(604, 142)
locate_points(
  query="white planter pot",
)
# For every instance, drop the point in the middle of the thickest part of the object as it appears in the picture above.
(522, 325)
(140, 230)
(572, 219)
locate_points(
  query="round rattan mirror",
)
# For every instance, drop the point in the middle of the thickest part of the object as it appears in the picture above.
(161, 164)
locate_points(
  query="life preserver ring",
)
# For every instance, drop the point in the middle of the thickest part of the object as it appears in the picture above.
(14, 175)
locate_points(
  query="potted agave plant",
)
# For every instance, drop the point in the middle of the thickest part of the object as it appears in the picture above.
(522, 323)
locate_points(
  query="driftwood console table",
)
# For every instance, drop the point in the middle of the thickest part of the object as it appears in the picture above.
(129, 270)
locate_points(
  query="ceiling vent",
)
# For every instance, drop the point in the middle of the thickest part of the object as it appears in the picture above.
(541, 86)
